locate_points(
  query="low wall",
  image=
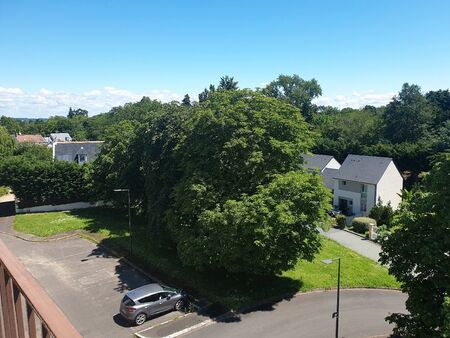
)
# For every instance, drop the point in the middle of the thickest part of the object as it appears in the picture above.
(60, 207)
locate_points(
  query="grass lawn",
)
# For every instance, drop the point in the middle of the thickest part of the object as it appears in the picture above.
(110, 228)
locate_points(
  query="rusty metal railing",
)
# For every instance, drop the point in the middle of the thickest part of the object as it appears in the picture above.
(27, 310)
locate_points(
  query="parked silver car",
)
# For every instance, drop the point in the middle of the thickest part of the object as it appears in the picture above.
(141, 303)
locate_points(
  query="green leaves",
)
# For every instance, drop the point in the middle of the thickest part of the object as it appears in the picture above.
(242, 202)
(417, 252)
(44, 182)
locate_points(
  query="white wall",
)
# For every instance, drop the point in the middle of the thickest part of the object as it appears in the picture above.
(355, 197)
(390, 186)
(333, 164)
(371, 198)
(60, 207)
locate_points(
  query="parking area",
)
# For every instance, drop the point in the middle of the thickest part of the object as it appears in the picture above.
(84, 280)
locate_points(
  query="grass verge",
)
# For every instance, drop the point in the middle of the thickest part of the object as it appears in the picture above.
(111, 229)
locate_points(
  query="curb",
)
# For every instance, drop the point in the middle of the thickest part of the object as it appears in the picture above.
(230, 314)
(354, 233)
(39, 239)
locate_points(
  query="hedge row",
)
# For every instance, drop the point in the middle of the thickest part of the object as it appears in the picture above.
(44, 182)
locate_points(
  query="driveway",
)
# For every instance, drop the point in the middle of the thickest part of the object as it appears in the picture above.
(362, 314)
(356, 243)
(83, 279)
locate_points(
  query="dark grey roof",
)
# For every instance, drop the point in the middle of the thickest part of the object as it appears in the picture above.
(315, 161)
(367, 169)
(145, 290)
(68, 151)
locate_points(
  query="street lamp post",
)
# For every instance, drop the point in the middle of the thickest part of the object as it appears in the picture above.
(129, 218)
(336, 314)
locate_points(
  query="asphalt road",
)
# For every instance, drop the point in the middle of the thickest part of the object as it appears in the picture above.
(309, 315)
(84, 280)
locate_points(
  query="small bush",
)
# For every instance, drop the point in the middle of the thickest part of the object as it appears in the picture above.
(340, 221)
(3, 191)
(361, 224)
(383, 214)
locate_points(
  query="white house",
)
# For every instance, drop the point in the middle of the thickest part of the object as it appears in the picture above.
(362, 180)
(326, 165)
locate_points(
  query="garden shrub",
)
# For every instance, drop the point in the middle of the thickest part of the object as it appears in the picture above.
(361, 224)
(340, 221)
(383, 214)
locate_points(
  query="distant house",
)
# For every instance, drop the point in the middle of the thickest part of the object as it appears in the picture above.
(35, 139)
(80, 152)
(326, 165)
(362, 180)
(60, 137)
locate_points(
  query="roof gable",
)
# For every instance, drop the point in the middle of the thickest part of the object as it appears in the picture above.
(315, 161)
(367, 169)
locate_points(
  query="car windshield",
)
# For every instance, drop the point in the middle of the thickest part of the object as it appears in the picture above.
(127, 301)
(166, 288)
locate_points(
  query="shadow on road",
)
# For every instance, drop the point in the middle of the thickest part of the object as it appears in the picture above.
(226, 291)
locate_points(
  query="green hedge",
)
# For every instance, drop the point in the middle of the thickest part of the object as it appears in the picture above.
(341, 221)
(44, 182)
(361, 224)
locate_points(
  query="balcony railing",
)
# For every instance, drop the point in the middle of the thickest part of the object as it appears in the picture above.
(27, 310)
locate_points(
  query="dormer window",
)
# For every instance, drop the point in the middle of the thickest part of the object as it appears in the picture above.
(82, 158)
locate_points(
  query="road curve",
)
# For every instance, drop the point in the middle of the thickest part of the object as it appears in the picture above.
(362, 313)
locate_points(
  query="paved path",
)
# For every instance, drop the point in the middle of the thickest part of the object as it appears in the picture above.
(84, 280)
(356, 243)
(309, 315)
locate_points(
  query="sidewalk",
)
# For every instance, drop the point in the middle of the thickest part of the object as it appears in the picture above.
(361, 245)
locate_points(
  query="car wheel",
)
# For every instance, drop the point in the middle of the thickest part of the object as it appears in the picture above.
(140, 319)
(179, 305)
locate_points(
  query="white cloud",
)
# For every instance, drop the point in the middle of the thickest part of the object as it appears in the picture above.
(357, 99)
(44, 103)
(12, 91)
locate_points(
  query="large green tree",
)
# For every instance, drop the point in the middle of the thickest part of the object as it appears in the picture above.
(242, 192)
(6, 143)
(408, 116)
(118, 165)
(418, 254)
(296, 91)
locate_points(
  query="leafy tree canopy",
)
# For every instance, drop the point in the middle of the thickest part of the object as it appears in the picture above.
(296, 91)
(77, 113)
(418, 253)
(6, 143)
(408, 116)
(242, 190)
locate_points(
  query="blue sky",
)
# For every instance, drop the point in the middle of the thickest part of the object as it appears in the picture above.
(96, 54)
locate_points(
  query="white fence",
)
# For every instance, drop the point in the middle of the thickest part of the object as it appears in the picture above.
(60, 207)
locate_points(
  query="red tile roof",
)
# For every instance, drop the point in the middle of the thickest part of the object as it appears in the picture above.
(30, 138)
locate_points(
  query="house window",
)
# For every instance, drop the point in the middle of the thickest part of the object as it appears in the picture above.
(344, 182)
(82, 158)
(363, 188)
